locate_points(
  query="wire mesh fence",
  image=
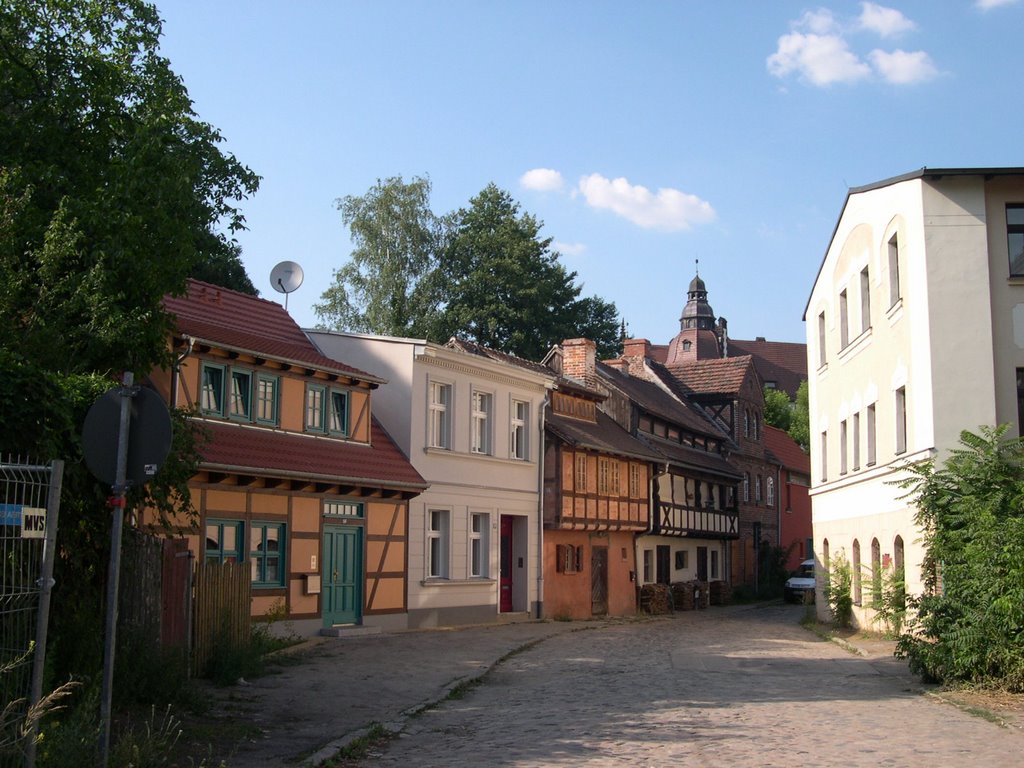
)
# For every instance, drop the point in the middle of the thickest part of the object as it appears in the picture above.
(29, 499)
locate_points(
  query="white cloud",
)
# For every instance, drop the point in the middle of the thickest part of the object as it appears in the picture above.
(819, 22)
(887, 22)
(988, 5)
(821, 59)
(669, 209)
(542, 179)
(569, 249)
(903, 67)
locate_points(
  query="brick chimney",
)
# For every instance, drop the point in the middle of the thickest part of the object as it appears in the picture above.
(579, 360)
(636, 348)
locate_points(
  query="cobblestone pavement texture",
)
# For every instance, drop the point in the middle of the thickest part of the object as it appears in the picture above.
(736, 686)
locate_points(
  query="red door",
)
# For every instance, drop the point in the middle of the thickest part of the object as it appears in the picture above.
(506, 564)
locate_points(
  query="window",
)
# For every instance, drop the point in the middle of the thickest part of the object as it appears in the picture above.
(770, 491)
(821, 339)
(824, 456)
(865, 300)
(608, 476)
(569, 559)
(267, 554)
(479, 551)
(337, 414)
(870, 427)
(746, 486)
(1015, 238)
(844, 321)
(714, 563)
(682, 559)
(223, 541)
(858, 596)
(440, 415)
(343, 509)
(757, 490)
(876, 574)
(211, 398)
(240, 400)
(634, 481)
(1020, 401)
(437, 543)
(686, 345)
(314, 408)
(894, 270)
(755, 426)
(746, 422)
(581, 473)
(901, 420)
(520, 418)
(266, 399)
(856, 442)
(842, 447)
(481, 422)
(648, 565)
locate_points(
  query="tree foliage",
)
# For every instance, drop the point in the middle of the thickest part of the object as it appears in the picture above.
(778, 408)
(385, 287)
(112, 191)
(800, 421)
(968, 626)
(483, 273)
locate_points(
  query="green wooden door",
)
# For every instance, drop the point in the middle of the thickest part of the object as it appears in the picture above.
(342, 575)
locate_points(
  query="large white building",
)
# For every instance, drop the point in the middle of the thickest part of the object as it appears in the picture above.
(915, 332)
(471, 424)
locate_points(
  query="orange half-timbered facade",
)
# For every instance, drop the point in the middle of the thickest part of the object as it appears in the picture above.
(296, 477)
(596, 501)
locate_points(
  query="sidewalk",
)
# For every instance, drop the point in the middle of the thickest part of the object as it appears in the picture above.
(325, 692)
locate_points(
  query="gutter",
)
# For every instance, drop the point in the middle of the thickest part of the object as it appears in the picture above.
(177, 367)
(234, 469)
(540, 507)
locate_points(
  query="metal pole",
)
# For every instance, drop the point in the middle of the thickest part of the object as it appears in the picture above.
(114, 571)
(46, 586)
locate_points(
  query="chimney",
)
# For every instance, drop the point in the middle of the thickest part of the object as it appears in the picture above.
(636, 348)
(579, 360)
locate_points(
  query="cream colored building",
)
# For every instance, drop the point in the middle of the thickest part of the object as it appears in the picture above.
(915, 331)
(471, 424)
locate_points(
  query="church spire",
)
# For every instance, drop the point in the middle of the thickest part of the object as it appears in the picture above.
(697, 313)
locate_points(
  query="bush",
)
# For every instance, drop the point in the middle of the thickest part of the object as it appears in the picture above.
(838, 591)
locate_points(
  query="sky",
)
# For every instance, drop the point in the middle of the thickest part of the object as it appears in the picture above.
(646, 136)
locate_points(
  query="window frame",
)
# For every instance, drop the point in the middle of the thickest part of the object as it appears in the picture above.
(311, 409)
(1014, 229)
(440, 398)
(856, 441)
(223, 555)
(900, 406)
(872, 436)
(343, 429)
(519, 443)
(844, 319)
(895, 290)
(479, 560)
(482, 421)
(221, 404)
(259, 400)
(438, 562)
(822, 357)
(258, 559)
(865, 299)
(246, 397)
(842, 447)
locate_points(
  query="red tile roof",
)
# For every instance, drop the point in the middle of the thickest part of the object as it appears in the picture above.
(270, 453)
(247, 323)
(786, 450)
(783, 362)
(717, 376)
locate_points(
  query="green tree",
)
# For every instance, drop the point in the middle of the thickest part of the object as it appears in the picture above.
(387, 286)
(506, 289)
(968, 626)
(800, 423)
(597, 319)
(778, 408)
(112, 191)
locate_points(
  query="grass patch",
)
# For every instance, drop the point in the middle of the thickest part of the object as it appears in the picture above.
(376, 737)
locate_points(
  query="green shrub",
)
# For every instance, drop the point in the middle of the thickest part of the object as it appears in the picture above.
(838, 591)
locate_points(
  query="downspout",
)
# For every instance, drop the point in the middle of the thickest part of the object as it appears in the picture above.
(542, 457)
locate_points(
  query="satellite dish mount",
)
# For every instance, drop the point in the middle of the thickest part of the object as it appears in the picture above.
(285, 278)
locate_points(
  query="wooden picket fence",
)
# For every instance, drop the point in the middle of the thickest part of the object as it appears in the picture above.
(223, 597)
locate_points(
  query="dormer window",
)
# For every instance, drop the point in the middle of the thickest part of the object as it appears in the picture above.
(686, 345)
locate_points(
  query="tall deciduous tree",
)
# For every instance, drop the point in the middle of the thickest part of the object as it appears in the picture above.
(778, 408)
(800, 423)
(385, 286)
(505, 288)
(112, 191)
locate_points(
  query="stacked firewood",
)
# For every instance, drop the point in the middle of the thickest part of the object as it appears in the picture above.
(720, 592)
(655, 598)
(687, 595)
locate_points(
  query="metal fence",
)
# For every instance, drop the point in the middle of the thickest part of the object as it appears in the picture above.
(29, 503)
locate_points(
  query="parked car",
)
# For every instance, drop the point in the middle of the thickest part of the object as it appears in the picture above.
(800, 586)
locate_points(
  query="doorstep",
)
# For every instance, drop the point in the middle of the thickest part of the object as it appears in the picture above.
(349, 631)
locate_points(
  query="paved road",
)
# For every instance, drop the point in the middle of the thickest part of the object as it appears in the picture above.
(727, 687)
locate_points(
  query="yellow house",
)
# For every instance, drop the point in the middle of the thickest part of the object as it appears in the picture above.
(297, 476)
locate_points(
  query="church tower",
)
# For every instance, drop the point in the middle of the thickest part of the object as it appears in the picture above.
(699, 337)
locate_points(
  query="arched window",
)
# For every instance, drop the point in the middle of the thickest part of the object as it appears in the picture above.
(746, 486)
(876, 574)
(746, 422)
(899, 575)
(757, 490)
(770, 492)
(756, 427)
(825, 562)
(855, 567)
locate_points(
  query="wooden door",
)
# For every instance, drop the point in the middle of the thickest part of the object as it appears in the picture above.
(505, 603)
(664, 564)
(702, 563)
(342, 587)
(599, 580)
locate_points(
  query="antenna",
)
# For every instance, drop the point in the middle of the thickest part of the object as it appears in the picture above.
(285, 278)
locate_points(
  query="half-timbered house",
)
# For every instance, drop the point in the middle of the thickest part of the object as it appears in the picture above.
(296, 475)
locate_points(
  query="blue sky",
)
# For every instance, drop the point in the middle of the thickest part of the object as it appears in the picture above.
(644, 135)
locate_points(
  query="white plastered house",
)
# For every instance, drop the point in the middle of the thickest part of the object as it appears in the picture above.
(472, 426)
(915, 332)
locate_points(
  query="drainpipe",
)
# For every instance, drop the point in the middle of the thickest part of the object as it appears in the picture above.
(177, 367)
(540, 508)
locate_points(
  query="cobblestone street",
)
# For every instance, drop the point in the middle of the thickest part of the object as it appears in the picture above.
(746, 687)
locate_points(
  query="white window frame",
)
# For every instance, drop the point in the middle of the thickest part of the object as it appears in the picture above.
(479, 545)
(901, 420)
(895, 294)
(518, 435)
(865, 299)
(482, 419)
(438, 539)
(439, 428)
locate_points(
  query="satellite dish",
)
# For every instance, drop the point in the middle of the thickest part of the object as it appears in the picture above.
(285, 278)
